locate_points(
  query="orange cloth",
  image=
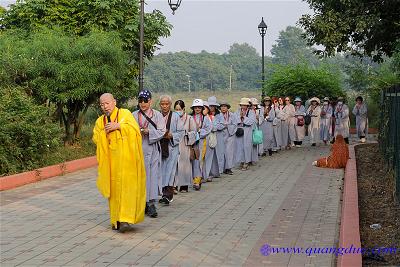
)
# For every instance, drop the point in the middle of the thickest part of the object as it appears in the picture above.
(339, 155)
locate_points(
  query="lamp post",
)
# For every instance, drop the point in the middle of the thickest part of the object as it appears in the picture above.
(188, 76)
(173, 4)
(262, 29)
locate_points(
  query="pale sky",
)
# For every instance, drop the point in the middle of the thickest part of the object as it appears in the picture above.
(215, 25)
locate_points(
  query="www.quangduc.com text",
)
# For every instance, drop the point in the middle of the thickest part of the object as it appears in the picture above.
(267, 250)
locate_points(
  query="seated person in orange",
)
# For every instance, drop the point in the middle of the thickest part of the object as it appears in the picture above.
(338, 157)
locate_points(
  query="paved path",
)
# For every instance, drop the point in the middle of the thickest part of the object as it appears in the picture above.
(283, 201)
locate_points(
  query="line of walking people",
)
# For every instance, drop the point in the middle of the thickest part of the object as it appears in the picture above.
(186, 146)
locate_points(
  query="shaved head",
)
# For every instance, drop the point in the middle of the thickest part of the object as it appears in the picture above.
(106, 96)
(107, 103)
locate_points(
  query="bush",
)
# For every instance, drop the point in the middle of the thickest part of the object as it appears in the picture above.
(27, 132)
(303, 81)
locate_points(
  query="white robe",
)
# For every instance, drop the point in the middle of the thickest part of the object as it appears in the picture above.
(230, 124)
(361, 120)
(199, 165)
(313, 128)
(244, 144)
(184, 169)
(267, 129)
(326, 122)
(288, 125)
(342, 121)
(168, 165)
(300, 131)
(152, 151)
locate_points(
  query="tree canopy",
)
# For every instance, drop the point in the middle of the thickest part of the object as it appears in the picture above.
(367, 27)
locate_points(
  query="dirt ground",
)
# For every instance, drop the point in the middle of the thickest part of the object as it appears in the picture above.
(377, 205)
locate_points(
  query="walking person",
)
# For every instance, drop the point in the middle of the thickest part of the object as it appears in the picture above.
(203, 129)
(152, 127)
(299, 128)
(121, 162)
(314, 110)
(360, 111)
(268, 116)
(215, 140)
(257, 149)
(289, 122)
(276, 126)
(183, 176)
(244, 140)
(326, 121)
(229, 127)
(169, 148)
(342, 119)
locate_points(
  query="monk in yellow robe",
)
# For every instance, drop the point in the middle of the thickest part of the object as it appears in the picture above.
(121, 171)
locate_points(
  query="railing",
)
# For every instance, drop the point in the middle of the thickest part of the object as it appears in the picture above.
(389, 131)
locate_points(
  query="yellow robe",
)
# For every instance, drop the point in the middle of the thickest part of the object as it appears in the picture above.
(121, 170)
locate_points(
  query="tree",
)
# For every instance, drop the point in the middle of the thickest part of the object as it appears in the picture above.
(27, 131)
(68, 72)
(80, 17)
(292, 48)
(366, 27)
(303, 81)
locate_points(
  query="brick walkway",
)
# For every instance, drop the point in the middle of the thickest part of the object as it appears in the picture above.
(284, 201)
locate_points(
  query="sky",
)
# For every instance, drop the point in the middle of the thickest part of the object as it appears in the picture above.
(215, 25)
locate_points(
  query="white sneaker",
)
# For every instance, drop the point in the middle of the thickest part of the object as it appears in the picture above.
(298, 145)
(362, 140)
(314, 163)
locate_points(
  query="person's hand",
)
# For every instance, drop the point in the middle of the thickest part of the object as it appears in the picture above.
(145, 131)
(112, 126)
(168, 135)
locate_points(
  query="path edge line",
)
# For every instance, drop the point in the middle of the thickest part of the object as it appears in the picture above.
(20, 179)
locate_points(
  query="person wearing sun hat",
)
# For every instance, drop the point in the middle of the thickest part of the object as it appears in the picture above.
(203, 129)
(326, 120)
(229, 126)
(257, 149)
(299, 128)
(314, 110)
(268, 116)
(153, 129)
(342, 119)
(215, 159)
(244, 141)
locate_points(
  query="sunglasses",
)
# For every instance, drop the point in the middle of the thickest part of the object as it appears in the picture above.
(141, 99)
(287, 100)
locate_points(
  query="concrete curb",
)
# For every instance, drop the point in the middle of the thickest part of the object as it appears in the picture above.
(16, 180)
(350, 222)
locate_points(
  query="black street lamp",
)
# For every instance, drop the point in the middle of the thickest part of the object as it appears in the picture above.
(173, 4)
(262, 29)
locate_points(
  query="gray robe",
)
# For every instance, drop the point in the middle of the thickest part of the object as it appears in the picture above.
(229, 127)
(212, 168)
(326, 122)
(198, 165)
(220, 149)
(168, 165)
(342, 121)
(361, 120)
(244, 144)
(184, 169)
(300, 131)
(277, 129)
(257, 149)
(291, 121)
(313, 128)
(152, 151)
(267, 129)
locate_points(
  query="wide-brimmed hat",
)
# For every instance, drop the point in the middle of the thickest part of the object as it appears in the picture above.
(297, 99)
(316, 99)
(197, 103)
(254, 101)
(244, 101)
(267, 98)
(224, 103)
(205, 103)
(212, 101)
(340, 98)
(326, 98)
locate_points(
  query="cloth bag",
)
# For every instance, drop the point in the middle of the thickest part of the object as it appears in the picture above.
(257, 136)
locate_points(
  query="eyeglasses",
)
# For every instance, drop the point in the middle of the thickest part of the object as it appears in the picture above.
(141, 99)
